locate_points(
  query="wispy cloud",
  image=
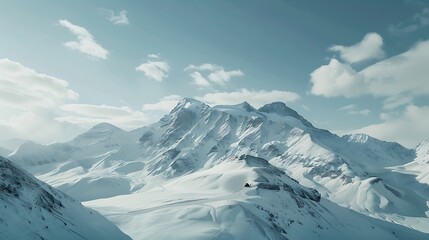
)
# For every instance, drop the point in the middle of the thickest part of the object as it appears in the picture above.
(420, 20)
(85, 41)
(120, 19)
(396, 101)
(370, 47)
(352, 110)
(156, 70)
(154, 56)
(207, 73)
(87, 115)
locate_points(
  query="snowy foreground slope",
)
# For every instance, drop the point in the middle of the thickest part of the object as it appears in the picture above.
(31, 209)
(187, 172)
(213, 204)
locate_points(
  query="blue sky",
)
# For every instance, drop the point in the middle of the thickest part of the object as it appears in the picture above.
(347, 66)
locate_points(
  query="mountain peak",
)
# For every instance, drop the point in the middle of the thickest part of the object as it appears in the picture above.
(190, 100)
(189, 104)
(98, 131)
(246, 106)
(280, 109)
(105, 126)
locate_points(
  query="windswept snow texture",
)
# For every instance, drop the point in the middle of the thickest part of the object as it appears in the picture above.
(31, 209)
(146, 168)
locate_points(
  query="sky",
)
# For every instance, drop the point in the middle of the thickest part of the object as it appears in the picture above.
(346, 66)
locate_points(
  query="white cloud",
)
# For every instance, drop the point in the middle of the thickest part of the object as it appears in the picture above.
(156, 70)
(408, 128)
(396, 101)
(337, 79)
(203, 67)
(85, 41)
(347, 107)
(419, 21)
(23, 88)
(369, 48)
(199, 80)
(37, 106)
(404, 74)
(216, 74)
(87, 115)
(255, 98)
(399, 79)
(222, 77)
(28, 102)
(154, 55)
(120, 19)
(351, 109)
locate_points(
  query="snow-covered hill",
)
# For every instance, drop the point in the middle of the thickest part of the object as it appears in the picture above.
(31, 209)
(215, 204)
(353, 171)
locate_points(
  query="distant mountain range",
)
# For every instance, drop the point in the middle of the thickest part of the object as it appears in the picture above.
(236, 172)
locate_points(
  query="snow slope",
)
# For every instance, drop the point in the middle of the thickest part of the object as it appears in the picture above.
(214, 204)
(34, 210)
(354, 171)
(420, 166)
(93, 165)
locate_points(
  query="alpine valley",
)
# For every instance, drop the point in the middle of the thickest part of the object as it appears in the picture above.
(221, 172)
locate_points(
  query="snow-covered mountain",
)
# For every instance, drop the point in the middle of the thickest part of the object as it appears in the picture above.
(31, 209)
(354, 171)
(214, 203)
